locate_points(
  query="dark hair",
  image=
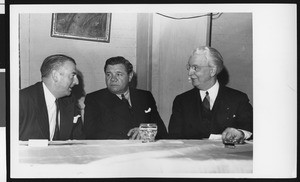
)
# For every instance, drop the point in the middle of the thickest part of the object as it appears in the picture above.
(54, 62)
(119, 60)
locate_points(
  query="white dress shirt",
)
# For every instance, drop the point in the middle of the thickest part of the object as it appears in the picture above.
(51, 109)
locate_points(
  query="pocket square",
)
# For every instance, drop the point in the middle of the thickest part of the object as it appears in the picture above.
(149, 110)
(76, 118)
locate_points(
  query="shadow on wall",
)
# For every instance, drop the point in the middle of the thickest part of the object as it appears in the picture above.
(79, 92)
(223, 77)
(133, 83)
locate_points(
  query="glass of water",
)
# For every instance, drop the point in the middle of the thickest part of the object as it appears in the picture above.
(148, 132)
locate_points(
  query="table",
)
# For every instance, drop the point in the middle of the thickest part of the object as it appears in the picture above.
(132, 158)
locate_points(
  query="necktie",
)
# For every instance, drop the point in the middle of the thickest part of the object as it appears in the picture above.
(205, 102)
(206, 115)
(125, 101)
(56, 132)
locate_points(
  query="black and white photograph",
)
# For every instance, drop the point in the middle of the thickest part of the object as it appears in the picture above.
(149, 91)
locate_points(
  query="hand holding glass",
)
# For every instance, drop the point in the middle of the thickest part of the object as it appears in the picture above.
(148, 132)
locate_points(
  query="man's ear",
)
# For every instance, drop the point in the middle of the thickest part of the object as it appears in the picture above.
(130, 76)
(54, 75)
(213, 71)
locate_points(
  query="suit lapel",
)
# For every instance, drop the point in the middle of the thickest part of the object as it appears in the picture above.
(138, 106)
(219, 100)
(200, 125)
(195, 106)
(42, 112)
(116, 105)
(66, 118)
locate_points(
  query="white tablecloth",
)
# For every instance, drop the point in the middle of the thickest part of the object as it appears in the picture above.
(128, 158)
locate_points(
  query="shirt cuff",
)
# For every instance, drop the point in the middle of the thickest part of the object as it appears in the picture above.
(247, 134)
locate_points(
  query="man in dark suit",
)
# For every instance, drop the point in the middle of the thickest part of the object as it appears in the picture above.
(116, 112)
(47, 108)
(210, 108)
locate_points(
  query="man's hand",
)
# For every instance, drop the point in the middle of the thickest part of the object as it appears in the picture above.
(232, 135)
(134, 134)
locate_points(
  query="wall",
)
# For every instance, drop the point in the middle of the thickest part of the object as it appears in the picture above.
(36, 44)
(173, 43)
(232, 36)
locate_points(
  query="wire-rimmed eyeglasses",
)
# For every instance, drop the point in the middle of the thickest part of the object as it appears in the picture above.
(194, 67)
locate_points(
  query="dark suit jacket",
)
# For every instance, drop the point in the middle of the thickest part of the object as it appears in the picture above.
(33, 118)
(231, 109)
(107, 117)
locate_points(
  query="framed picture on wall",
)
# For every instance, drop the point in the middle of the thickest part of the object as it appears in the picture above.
(83, 26)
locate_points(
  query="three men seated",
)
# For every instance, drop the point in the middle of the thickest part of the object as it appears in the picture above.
(48, 109)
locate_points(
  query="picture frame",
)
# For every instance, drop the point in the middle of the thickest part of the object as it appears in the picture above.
(82, 26)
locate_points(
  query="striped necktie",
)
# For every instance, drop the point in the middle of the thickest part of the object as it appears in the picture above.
(205, 102)
(56, 132)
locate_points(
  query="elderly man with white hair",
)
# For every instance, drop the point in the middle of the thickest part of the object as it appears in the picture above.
(210, 107)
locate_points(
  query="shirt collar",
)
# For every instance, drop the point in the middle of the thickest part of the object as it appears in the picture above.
(126, 94)
(213, 91)
(49, 97)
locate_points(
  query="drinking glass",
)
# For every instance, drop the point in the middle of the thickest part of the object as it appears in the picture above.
(148, 132)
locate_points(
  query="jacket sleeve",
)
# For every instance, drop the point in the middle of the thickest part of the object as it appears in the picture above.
(77, 130)
(176, 120)
(155, 117)
(91, 117)
(245, 114)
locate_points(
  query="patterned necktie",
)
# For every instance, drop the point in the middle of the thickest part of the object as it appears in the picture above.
(125, 101)
(205, 102)
(56, 132)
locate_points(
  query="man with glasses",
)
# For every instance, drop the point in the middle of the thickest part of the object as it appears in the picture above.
(210, 107)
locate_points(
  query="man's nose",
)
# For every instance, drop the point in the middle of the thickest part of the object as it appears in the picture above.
(113, 78)
(191, 71)
(75, 81)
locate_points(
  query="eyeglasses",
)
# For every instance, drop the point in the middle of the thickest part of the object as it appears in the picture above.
(194, 67)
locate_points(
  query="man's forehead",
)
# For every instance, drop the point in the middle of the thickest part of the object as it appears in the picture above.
(202, 54)
(116, 67)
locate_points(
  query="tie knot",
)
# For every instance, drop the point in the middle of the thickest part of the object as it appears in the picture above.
(206, 93)
(123, 96)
